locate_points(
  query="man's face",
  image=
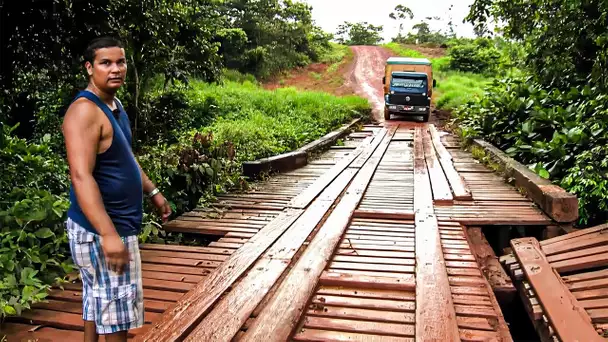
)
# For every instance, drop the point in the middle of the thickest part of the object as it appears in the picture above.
(109, 69)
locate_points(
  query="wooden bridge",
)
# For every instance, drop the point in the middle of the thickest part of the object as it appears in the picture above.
(370, 241)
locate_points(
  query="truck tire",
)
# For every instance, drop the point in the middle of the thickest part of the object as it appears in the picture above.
(387, 114)
(426, 116)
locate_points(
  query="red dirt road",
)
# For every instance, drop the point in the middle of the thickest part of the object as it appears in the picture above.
(365, 76)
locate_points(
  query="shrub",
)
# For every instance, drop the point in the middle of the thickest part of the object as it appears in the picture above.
(560, 135)
(33, 205)
(478, 56)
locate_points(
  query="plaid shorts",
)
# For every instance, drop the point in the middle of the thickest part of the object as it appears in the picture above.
(114, 302)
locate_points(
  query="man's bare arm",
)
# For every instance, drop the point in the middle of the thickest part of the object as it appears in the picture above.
(148, 186)
(82, 133)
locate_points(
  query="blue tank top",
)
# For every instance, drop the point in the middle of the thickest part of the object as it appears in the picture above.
(117, 175)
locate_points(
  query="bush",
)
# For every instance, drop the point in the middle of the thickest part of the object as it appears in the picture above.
(33, 203)
(560, 135)
(399, 50)
(478, 56)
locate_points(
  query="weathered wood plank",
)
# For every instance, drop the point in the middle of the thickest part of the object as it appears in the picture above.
(281, 314)
(435, 315)
(459, 188)
(490, 266)
(233, 310)
(568, 318)
(439, 184)
(176, 323)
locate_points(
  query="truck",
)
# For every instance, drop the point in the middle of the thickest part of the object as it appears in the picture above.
(408, 87)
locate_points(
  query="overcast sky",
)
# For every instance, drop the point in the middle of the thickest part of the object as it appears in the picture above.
(330, 13)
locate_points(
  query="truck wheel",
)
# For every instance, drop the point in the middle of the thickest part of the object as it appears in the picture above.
(425, 117)
(387, 115)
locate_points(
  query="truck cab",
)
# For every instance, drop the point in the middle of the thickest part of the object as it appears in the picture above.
(408, 87)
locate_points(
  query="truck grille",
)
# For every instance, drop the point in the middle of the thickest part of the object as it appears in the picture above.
(415, 100)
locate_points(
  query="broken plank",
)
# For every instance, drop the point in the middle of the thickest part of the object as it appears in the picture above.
(459, 188)
(499, 281)
(561, 308)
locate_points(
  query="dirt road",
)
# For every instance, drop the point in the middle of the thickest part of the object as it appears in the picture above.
(365, 76)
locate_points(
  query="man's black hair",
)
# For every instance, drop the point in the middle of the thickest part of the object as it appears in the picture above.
(99, 43)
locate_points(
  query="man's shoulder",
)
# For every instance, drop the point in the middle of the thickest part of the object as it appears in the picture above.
(82, 114)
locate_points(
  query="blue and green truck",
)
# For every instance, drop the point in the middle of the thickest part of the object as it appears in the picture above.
(408, 87)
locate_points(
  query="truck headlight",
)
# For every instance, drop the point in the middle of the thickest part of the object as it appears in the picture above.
(392, 107)
(421, 109)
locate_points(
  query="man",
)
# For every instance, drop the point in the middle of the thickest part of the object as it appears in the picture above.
(106, 197)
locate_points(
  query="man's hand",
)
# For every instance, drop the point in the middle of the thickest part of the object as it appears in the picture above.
(115, 251)
(161, 203)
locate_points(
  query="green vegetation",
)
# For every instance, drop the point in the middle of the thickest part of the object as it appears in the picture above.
(402, 51)
(455, 88)
(190, 136)
(551, 115)
(361, 33)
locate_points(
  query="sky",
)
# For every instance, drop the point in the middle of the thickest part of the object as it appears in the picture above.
(328, 14)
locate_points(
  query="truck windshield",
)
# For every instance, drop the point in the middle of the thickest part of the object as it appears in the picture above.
(410, 84)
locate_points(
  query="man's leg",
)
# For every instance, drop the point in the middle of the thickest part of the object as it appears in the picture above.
(80, 247)
(120, 336)
(118, 298)
(90, 335)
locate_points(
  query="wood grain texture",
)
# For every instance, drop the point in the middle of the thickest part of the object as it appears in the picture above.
(292, 294)
(568, 318)
(176, 323)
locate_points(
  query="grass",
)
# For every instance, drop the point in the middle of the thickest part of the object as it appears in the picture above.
(455, 88)
(262, 123)
(335, 54)
(399, 50)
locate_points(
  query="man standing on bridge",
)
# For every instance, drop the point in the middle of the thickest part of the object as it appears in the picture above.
(106, 198)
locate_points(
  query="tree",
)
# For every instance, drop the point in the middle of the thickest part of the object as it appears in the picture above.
(401, 13)
(361, 33)
(566, 40)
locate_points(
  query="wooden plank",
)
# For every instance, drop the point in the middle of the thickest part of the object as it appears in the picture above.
(361, 314)
(177, 323)
(577, 254)
(585, 276)
(232, 311)
(187, 249)
(435, 315)
(362, 293)
(439, 183)
(346, 325)
(291, 296)
(574, 235)
(364, 303)
(384, 213)
(316, 335)
(404, 282)
(569, 320)
(490, 266)
(586, 241)
(303, 200)
(582, 263)
(459, 188)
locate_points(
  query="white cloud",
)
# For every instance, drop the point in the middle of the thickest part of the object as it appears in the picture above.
(328, 14)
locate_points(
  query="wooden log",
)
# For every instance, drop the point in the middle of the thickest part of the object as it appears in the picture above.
(567, 317)
(490, 266)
